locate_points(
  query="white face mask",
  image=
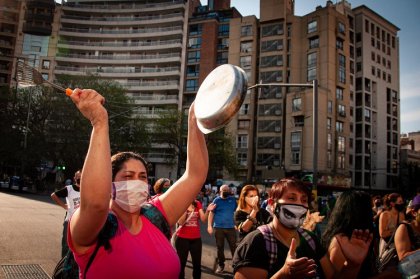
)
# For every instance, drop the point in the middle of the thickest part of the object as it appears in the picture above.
(291, 215)
(130, 195)
(252, 200)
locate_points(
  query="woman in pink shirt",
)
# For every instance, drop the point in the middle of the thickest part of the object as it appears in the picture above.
(138, 248)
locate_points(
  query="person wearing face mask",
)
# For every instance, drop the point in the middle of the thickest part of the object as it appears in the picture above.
(118, 185)
(390, 218)
(71, 193)
(298, 253)
(248, 215)
(161, 186)
(221, 221)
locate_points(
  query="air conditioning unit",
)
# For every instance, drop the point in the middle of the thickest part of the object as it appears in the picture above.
(276, 163)
(278, 95)
(277, 129)
(278, 78)
(277, 145)
(279, 46)
(277, 112)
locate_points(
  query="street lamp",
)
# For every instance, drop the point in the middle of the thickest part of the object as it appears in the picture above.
(314, 86)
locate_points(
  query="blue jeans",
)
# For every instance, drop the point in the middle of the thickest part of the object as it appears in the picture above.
(221, 234)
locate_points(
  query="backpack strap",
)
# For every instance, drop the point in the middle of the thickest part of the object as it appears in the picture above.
(156, 217)
(270, 243)
(308, 238)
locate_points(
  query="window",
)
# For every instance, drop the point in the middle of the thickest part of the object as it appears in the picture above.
(328, 123)
(340, 44)
(341, 144)
(312, 26)
(339, 126)
(339, 93)
(243, 124)
(271, 61)
(45, 76)
(342, 110)
(194, 42)
(272, 30)
(242, 159)
(341, 68)
(296, 104)
(191, 85)
(299, 120)
(46, 64)
(341, 28)
(329, 107)
(222, 57)
(341, 161)
(223, 43)
(312, 62)
(246, 46)
(329, 142)
(246, 30)
(242, 141)
(244, 109)
(314, 42)
(193, 56)
(193, 70)
(295, 147)
(271, 45)
(245, 62)
(224, 30)
(195, 29)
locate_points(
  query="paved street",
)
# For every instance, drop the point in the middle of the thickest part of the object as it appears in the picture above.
(30, 236)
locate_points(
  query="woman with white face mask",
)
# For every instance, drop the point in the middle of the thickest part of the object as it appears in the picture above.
(282, 249)
(138, 247)
(248, 215)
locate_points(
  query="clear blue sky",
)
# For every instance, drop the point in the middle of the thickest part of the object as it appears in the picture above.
(405, 15)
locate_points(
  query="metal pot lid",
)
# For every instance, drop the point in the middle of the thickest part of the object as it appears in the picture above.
(220, 97)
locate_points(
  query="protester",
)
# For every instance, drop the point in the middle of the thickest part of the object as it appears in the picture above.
(221, 219)
(407, 236)
(248, 215)
(188, 237)
(71, 193)
(138, 249)
(161, 186)
(390, 218)
(351, 211)
(282, 249)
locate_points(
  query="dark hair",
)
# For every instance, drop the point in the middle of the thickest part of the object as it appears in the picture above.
(391, 198)
(279, 187)
(117, 160)
(352, 211)
(159, 185)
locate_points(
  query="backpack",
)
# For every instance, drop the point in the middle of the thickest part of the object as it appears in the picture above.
(67, 267)
(271, 243)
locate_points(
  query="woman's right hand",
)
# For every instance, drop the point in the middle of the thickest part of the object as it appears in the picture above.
(90, 104)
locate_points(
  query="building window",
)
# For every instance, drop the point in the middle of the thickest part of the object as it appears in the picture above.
(271, 61)
(269, 126)
(246, 47)
(224, 30)
(296, 104)
(223, 43)
(295, 147)
(272, 45)
(341, 28)
(272, 76)
(339, 93)
(314, 42)
(46, 64)
(194, 42)
(242, 141)
(195, 29)
(191, 85)
(341, 68)
(244, 109)
(341, 144)
(328, 123)
(246, 30)
(243, 124)
(193, 56)
(272, 30)
(339, 43)
(329, 142)
(312, 62)
(329, 107)
(242, 159)
(341, 161)
(193, 70)
(245, 62)
(222, 57)
(312, 26)
(339, 126)
(342, 110)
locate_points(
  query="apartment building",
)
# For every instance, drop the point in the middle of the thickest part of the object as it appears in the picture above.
(358, 111)
(139, 44)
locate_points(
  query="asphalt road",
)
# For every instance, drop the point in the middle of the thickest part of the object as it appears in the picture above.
(30, 237)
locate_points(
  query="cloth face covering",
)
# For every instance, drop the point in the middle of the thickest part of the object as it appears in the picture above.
(291, 215)
(130, 195)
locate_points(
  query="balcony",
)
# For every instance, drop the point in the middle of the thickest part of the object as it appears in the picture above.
(151, 85)
(113, 8)
(121, 45)
(120, 33)
(121, 20)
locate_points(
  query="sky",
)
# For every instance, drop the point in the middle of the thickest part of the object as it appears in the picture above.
(405, 15)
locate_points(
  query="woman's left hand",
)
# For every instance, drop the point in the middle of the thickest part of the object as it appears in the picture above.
(356, 248)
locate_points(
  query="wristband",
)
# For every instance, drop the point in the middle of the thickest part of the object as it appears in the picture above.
(252, 219)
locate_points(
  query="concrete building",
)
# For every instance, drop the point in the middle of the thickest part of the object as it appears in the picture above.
(409, 165)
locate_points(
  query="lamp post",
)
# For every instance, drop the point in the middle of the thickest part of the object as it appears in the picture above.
(314, 86)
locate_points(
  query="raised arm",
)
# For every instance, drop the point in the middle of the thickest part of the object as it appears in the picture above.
(95, 186)
(176, 200)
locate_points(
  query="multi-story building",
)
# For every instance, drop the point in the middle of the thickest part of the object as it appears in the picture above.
(139, 44)
(357, 110)
(9, 31)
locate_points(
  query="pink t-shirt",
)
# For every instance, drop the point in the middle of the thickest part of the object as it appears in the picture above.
(148, 254)
(191, 229)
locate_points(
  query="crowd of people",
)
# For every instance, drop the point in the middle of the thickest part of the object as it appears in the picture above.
(278, 237)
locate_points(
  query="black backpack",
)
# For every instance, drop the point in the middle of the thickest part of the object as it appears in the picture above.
(67, 267)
